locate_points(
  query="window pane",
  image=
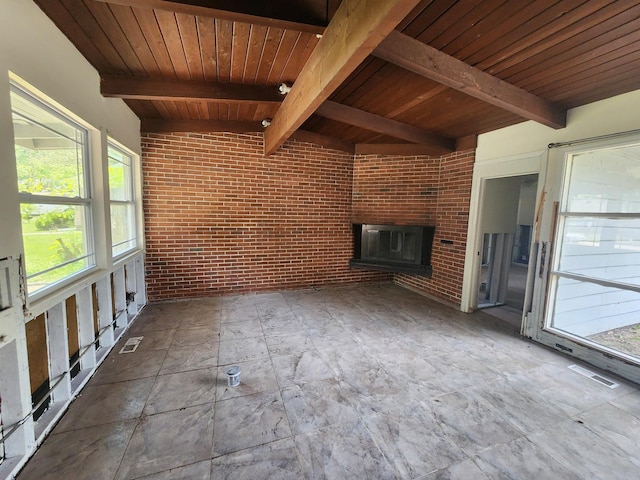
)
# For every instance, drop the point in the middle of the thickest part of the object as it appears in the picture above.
(55, 242)
(49, 150)
(604, 248)
(123, 227)
(120, 175)
(584, 308)
(605, 181)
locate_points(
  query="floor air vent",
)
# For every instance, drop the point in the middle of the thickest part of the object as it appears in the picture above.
(131, 345)
(594, 376)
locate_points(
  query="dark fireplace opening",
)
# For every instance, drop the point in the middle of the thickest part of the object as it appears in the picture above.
(393, 248)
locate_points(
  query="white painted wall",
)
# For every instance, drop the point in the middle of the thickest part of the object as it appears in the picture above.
(527, 203)
(500, 205)
(35, 51)
(616, 114)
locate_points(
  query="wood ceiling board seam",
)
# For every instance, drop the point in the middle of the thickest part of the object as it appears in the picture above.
(579, 51)
(283, 53)
(584, 70)
(133, 31)
(61, 16)
(171, 35)
(120, 41)
(85, 19)
(207, 10)
(448, 19)
(394, 87)
(621, 88)
(431, 14)
(183, 110)
(151, 30)
(425, 60)
(197, 126)
(365, 72)
(257, 39)
(354, 32)
(465, 24)
(512, 30)
(267, 58)
(566, 27)
(193, 109)
(206, 29)
(188, 31)
(239, 48)
(214, 111)
(224, 45)
(491, 32)
(162, 109)
(299, 56)
(623, 69)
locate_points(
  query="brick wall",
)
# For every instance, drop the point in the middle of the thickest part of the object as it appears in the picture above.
(221, 218)
(420, 191)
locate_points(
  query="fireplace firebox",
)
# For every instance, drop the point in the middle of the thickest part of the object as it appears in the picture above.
(393, 248)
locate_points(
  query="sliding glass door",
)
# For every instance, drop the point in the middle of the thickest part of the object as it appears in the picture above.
(594, 274)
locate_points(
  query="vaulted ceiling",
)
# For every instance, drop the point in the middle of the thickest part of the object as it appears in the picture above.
(371, 76)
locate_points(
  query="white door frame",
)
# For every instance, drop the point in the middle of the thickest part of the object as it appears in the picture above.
(512, 166)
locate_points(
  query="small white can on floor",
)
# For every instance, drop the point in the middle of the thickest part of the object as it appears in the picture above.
(233, 376)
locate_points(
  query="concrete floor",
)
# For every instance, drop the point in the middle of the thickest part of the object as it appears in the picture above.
(356, 382)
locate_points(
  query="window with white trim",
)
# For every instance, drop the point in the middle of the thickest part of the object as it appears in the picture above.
(52, 159)
(122, 200)
(596, 276)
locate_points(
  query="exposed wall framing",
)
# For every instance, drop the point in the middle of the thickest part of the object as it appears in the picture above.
(64, 343)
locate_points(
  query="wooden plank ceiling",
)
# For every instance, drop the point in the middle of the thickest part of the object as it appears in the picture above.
(369, 76)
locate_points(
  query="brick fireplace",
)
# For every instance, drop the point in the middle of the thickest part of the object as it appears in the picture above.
(220, 217)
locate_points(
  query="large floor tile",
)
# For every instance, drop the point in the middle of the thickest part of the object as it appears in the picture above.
(101, 404)
(521, 459)
(89, 454)
(583, 451)
(168, 440)
(414, 442)
(181, 390)
(241, 330)
(249, 421)
(188, 337)
(195, 471)
(472, 422)
(465, 470)
(302, 368)
(343, 452)
(291, 344)
(194, 357)
(120, 367)
(238, 351)
(255, 377)
(275, 460)
(313, 406)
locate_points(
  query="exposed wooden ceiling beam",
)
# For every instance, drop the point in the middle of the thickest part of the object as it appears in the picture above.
(387, 126)
(136, 88)
(198, 126)
(323, 140)
(252, 12)
(431, 63)
(356, 29)
(394, 149)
